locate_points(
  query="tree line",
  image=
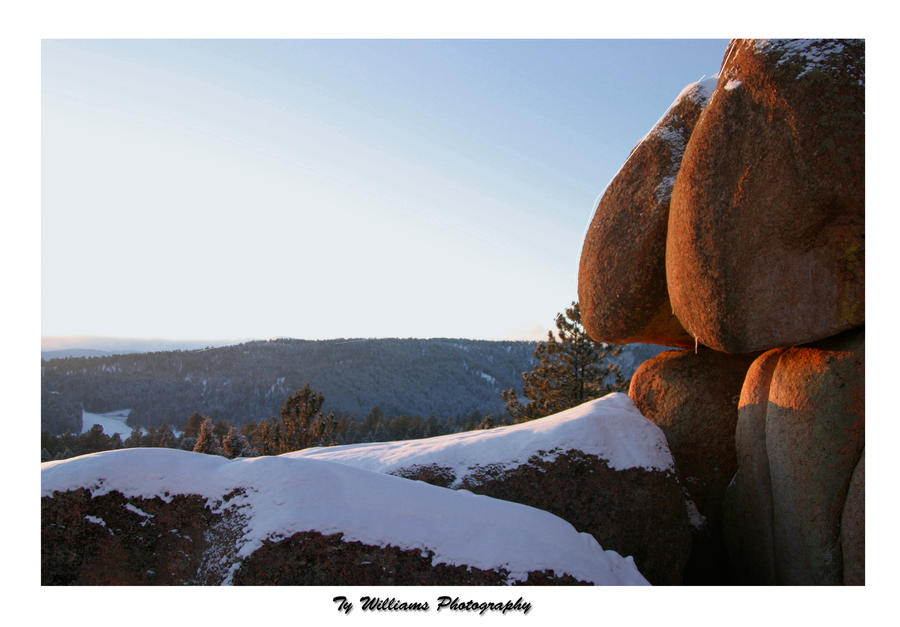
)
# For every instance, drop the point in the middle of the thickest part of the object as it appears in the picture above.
(570, 369)
(301, 424)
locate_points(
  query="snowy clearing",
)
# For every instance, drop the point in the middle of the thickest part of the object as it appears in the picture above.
(112, 422)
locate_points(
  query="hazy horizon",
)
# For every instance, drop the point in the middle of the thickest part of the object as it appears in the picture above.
(102, 342)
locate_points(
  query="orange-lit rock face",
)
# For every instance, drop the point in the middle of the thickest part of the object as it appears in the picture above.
(800, 437)
(765, 244)
(622, 276)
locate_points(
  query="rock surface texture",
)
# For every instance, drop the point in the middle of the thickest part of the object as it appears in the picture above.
(853, 527)
(802, 416)
(693, 397)
(748, 519)
(622, 276)
(765, 244)
(761, 185)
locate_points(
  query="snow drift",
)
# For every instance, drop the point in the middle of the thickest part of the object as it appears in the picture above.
(611, 428)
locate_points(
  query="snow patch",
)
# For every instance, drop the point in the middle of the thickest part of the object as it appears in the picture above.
(137, 510)
(282, 496)
(611, 428)
(811, 54)
(696, 519)
(700, 92)
(487, 377)
(112, 422)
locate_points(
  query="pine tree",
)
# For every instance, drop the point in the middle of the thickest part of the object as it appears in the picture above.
(165, 437)
(304, 424)
(235, 444)
(192, 428)
(571, 369)
(134, 439)
(206, 439)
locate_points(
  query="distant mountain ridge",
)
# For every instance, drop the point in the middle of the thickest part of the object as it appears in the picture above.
(60, 346)
(74, 352)
(250, 381)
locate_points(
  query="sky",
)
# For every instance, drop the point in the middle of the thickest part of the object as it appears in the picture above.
(200, 189)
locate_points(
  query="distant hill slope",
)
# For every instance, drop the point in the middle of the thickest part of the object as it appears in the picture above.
(74, 352)
(58, 346)
(444, 377)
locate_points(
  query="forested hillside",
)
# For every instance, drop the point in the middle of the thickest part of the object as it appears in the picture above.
(251, 381)
(443, 377)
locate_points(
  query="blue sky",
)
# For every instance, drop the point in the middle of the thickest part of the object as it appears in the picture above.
(334, 188)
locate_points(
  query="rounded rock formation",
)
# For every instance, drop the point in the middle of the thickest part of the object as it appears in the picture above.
(693, 397)
(748, 520)
(815, 434)
(796, 506)
(622, 275)
(765, 244)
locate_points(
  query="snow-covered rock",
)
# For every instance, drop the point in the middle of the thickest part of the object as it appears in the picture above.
(143, 516)
(601, 466)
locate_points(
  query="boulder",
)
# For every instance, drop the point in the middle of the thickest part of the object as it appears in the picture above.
(796, 507)
(748, 520)
(853, 527)
(693, 397)
(600, 466)
(815, 434)
(765, 243)
(622, 276)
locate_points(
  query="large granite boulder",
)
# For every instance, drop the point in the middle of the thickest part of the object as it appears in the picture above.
(622, 276)
(693, 397)
(765, 244)
(748, 521)
(815, 434)
(164, 516)
(601, 466)
(789, 524)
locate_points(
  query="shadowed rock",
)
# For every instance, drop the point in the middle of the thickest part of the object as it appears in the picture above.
(796, 510)
(748, 519)
(694, 400)
(853, 527)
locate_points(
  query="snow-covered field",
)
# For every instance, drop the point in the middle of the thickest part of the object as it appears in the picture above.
(611, 428)
(288, 495)
(112, 422)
